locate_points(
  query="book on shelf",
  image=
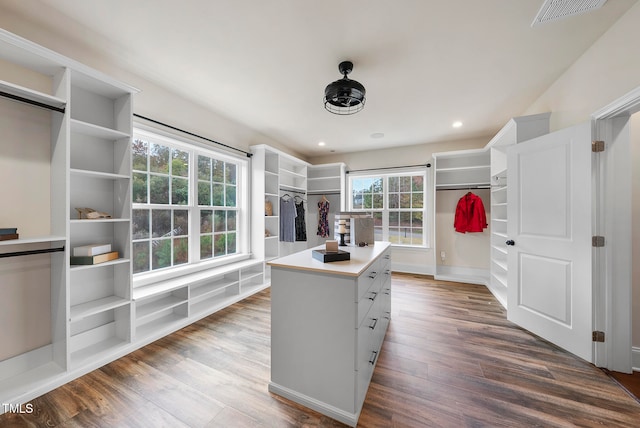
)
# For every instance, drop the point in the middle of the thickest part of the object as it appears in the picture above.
(94, 260)
(91, 250)
(7, 236)
(8, 230)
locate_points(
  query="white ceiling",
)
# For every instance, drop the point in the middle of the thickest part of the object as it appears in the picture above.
(265, 63)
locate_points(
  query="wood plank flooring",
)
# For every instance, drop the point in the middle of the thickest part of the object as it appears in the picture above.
(450, 359)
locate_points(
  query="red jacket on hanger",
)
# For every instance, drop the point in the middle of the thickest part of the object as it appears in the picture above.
(470, 214)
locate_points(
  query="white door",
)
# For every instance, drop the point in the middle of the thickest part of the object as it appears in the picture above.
(549, 233)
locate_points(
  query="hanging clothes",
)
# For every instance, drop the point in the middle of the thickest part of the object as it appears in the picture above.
(470, 214)
(287, 219)
(323, 218)
(301, 223)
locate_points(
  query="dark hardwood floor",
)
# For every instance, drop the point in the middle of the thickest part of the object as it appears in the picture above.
(450, 359)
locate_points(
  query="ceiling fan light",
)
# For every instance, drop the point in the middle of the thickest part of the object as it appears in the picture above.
(344, 96)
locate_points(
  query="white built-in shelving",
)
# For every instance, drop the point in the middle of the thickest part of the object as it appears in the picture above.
(274, 174)
(98, 314)
(326, 178)
(460, 171)
(517, 130)
(90, 166)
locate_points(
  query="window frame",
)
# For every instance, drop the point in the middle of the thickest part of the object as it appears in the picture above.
(427, 219)
(242, 208)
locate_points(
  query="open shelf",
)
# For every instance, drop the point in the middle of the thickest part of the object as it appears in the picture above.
(34, 240)
(98, 174)
(84, 310)
(144, 310)
(203, 291)
(18, 92)
(93, 130)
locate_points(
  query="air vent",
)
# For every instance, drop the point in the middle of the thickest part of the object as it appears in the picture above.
(553, 10)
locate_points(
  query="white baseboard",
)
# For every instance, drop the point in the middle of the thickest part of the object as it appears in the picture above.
(635, 358)
(350, 419)
(417, 269)
(462, 274)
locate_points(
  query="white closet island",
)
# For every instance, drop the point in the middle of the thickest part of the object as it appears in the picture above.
(328, 322)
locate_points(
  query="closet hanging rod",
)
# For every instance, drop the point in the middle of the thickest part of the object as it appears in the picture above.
(463, 188)
(286, 189)
(157, 122)
(31, 252)
(424, 165)
(324, 193)
(32, 102)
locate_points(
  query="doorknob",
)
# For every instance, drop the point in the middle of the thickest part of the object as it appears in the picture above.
(510, 242)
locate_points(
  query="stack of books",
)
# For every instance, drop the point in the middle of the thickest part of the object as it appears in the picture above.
(8, 233)
(93, 254)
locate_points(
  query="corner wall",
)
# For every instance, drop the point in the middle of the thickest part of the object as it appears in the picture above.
(609, 69)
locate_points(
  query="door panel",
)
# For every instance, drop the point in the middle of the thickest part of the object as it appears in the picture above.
(545, 170)
(541, 277)
(549, 212)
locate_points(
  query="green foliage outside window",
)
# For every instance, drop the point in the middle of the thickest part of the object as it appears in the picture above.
(162, 206)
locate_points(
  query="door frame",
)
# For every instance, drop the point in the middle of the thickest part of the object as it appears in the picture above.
(612, 213)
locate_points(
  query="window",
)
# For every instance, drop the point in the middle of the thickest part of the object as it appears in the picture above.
(397, 204)
(186, 203)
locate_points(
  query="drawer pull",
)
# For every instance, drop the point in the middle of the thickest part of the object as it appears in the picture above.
(387, 291)
(374, 356)
(373, 275)
(375, 322)
(387, 256)
(388, 272)
(374, 296)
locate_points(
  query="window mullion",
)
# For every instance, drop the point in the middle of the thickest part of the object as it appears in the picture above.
(194, 211)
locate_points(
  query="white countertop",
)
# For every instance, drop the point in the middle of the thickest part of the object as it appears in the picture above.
(361, 259)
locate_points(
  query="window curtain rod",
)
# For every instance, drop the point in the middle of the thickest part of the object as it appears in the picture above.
(427, 165)
(192, 134)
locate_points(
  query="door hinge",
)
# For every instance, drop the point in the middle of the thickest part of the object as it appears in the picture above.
(597, 146)
(598, 336)
(597, 241)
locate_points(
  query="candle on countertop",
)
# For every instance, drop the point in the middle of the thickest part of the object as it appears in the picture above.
(342, 227)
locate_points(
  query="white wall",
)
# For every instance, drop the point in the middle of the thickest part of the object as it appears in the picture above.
(25, 306)
(468, 250)
(609, 69)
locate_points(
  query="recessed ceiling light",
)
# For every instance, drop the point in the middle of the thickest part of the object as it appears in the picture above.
(321, 143)
(377, 135)
(457, 124)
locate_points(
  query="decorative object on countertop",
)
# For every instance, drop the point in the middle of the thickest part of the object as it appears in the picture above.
(331, 246)
(268, 208)
(342, 229)
(331, 256)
